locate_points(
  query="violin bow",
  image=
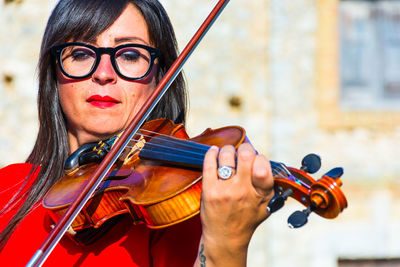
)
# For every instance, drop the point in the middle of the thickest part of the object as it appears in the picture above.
(105, 166)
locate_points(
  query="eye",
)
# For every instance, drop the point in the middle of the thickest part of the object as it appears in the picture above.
(129, 55)
(79, 54)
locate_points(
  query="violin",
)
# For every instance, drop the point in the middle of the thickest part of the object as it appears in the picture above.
(158, 180)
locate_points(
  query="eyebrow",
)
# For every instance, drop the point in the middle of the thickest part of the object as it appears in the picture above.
(129, 38)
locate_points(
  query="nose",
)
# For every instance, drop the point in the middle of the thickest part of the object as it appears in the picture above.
(105, 72)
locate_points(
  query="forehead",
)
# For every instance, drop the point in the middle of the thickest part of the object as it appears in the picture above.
(130, 26)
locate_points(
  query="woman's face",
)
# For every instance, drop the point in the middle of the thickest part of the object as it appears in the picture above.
(104, 104)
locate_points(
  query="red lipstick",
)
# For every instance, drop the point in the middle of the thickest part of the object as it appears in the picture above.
(102, 101)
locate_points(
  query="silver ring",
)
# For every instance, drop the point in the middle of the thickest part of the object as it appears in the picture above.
(225, 172)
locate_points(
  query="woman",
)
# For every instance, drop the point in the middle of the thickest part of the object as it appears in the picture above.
(88, 93)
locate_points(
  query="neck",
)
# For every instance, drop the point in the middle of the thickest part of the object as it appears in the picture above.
(78, 140)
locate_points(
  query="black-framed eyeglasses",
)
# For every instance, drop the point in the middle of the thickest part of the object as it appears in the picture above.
(80, 60)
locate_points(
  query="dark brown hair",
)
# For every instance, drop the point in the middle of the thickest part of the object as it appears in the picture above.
(85, 20)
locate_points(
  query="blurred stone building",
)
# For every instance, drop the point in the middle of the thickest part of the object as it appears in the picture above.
(300, 76)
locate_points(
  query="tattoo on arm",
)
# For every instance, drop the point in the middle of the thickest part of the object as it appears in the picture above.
(202, 258)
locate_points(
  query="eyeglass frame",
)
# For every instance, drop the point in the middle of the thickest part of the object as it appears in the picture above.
(99, 51)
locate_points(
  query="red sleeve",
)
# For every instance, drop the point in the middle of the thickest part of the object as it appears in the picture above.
(125, 244)
(15, 179)
(177, 245)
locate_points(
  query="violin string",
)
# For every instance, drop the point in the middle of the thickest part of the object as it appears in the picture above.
(172, 149)
(201, 148)
(176, 140)
(183, 143)
(166, 146)
(278, 169)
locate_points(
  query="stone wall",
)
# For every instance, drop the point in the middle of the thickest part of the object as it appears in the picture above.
(21, 27)
(259, 67)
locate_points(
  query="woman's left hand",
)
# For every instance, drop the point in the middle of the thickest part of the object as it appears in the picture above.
(231, 209)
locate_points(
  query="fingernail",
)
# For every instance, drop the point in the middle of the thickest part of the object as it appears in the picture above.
(214, 148)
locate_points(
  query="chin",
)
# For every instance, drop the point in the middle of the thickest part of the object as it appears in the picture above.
(107, 134)
(101, 133)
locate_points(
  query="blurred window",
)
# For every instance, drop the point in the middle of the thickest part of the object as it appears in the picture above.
(369, 262)
(370, 54)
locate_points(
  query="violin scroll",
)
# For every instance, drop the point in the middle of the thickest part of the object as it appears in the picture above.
(323, 196)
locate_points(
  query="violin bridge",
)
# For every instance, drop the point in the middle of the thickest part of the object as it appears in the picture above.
(132, 148)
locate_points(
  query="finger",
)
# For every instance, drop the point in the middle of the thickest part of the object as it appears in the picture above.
(210, 165)
(245, 158)
(227, 157)
(262, 178)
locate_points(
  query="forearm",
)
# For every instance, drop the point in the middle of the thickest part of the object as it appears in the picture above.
(212, 253)
(232, 208)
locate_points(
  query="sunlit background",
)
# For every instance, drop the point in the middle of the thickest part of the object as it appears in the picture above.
(301, 76)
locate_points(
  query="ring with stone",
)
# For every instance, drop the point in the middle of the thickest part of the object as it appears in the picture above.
(225, 172)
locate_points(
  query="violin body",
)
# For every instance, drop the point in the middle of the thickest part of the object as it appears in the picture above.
(154, 192)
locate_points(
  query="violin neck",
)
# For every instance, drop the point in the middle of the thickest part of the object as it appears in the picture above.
(186, 153)
(175, 151)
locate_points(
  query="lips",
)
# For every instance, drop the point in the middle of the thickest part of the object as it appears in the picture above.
(102, 101)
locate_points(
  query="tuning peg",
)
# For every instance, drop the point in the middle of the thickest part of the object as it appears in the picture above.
(335, 173)
(299, 218)
(311, 163)
(278, 201)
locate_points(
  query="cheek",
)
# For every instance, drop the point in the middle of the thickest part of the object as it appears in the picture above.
(140, 94)
(135, 100)
(63, 95)
(69, 97)
(67, 92)
(146, 92)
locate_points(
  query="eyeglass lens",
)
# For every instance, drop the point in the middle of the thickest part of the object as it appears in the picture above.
(132, 62)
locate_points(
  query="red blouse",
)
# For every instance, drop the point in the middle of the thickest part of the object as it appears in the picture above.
(125, 244)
